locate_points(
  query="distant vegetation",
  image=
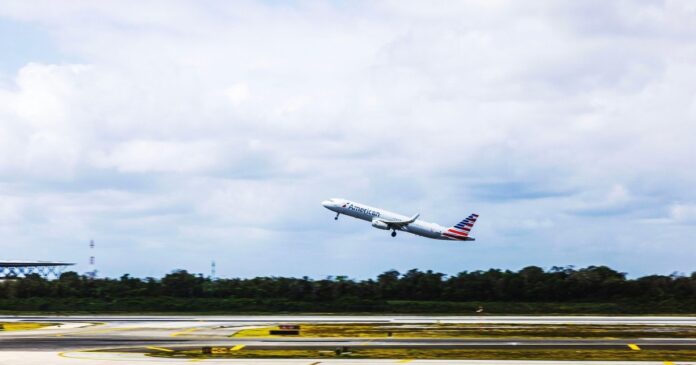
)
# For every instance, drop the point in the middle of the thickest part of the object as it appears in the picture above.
(595, 289)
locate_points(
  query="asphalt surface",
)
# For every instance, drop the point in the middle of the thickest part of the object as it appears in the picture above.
(78, 337)
(46, 358)
(648, 320)
(120, 342)
(98, 332)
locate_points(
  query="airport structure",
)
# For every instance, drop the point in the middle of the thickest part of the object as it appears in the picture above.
(92, 273)
(13, 269)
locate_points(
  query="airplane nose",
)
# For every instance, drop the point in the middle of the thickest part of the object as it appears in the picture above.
(326, 203)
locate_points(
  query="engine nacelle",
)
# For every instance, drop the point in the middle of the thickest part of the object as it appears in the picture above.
(380, 224)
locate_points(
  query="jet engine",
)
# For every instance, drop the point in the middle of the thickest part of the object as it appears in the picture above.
(379, 224)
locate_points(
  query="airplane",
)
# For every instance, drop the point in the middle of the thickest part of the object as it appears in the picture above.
(382, 219)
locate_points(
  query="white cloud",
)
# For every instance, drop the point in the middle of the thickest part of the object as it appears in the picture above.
(683, 213)
(51, 155)
(238, 93)
(564, 124)
(10, 211)
(159, 156)
(45, 91)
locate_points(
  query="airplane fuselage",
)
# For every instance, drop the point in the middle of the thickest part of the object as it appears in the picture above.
(381, 218)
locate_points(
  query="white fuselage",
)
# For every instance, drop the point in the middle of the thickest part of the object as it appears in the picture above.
(370, 214)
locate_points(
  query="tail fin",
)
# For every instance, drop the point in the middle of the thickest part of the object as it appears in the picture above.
(460, 231)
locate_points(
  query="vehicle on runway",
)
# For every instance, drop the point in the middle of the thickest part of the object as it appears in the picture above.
(386, 220)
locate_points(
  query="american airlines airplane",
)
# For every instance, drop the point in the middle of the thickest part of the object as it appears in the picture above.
(386, 220)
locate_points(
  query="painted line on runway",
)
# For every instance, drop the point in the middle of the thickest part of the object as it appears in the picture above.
(127, 357)
(633, 347)
(404, 361)
(188, 330)
(237, 347)
(86, 351)
(159, 349)
(105, 330)
(668, 363)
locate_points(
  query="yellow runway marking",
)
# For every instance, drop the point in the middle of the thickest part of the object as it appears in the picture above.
(196, 360)
(634, 347)
(105, 330)
(237, 348)
(188, 330)
(404, 361)
(159, 349)
(74, 355)
(668, 363)
(67, 355)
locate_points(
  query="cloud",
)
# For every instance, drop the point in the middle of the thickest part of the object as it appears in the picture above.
(615, 201)
(214, 130)
(683, 213)
(159, 156)
(238, 93)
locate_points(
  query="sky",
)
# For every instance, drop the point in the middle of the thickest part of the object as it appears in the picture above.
(176, 133)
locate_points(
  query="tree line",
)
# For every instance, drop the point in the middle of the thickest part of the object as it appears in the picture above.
(387, 292)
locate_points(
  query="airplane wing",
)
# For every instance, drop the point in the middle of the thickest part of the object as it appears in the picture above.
(398, 223)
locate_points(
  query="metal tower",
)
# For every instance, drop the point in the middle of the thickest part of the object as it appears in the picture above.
(92, 273)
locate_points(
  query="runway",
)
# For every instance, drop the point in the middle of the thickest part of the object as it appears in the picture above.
(254, 319)
(123, 343)
(132, 338)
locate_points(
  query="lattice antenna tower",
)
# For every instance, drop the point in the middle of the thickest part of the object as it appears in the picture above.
(92, 273)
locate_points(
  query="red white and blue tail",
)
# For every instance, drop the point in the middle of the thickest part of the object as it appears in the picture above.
(460, 231)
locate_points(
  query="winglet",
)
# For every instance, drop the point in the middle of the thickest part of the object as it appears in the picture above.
(413, 219)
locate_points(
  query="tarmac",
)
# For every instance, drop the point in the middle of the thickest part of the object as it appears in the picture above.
(129, 339)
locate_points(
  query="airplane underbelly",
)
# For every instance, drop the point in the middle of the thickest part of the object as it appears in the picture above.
(421, 231)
